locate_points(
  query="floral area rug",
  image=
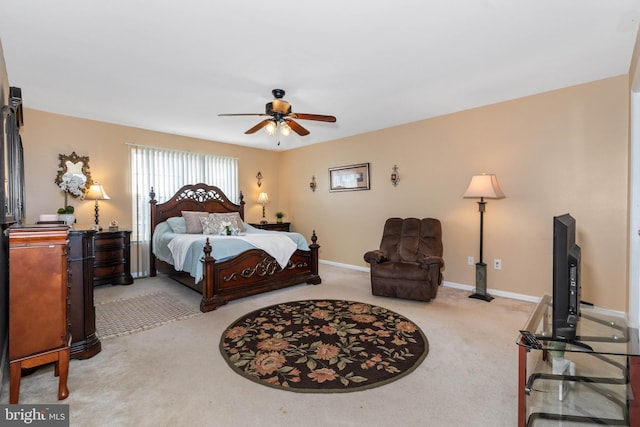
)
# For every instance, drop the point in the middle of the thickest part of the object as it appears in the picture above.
(323, 346)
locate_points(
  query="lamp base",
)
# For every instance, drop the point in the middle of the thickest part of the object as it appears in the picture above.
(481, 283)
(264, 221)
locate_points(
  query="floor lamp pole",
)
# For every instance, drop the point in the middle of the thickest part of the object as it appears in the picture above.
(481, 267)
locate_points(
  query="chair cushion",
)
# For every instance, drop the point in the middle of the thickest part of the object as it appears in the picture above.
(400, 270)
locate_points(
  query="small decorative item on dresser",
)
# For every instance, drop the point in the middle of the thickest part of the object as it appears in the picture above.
(113, 225)
(279, 216)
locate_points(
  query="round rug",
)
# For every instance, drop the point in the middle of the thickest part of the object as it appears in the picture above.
(323, 346)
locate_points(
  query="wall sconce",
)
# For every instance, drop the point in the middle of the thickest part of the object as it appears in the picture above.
(259, 176)
(313, 184)
(395, 177)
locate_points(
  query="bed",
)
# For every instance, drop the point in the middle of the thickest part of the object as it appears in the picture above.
(250, 272)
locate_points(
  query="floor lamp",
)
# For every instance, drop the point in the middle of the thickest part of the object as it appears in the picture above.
(484, 187)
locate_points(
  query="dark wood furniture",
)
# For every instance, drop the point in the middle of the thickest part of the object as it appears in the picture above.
(251, 272)
(82, 313)
(273, 226)
(112, 265)
(38, 325)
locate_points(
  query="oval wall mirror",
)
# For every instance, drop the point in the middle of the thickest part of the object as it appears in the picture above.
(74, 175)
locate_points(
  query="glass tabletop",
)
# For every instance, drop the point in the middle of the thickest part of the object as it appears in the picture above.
(597, 332)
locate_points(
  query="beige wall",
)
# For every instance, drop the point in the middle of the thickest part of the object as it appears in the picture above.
(563, 151)
(46, 135)
(557, 152)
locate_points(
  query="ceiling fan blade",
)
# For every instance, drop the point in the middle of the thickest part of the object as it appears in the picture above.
(258, 126)
(245, 114)
(316, 117)
(296, 127)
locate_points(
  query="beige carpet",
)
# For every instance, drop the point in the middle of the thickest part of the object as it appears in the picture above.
(174, 375)
(130, 315)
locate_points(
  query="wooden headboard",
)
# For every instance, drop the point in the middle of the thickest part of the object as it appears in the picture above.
(194, 197)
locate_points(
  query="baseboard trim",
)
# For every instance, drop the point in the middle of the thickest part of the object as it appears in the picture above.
(471, 288)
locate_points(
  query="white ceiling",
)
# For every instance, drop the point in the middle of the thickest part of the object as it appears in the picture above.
(173, 66)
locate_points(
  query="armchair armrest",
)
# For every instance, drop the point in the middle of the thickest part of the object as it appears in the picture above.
(429, 260)
(375, 257)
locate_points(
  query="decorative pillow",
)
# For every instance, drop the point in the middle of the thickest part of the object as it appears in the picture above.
(192, 220)
(177, 224)
(210, 225)
(232, 217)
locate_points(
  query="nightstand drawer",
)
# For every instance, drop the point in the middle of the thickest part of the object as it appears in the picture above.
(109, 255)
(108, 270)
(109, 242)
(273, 226)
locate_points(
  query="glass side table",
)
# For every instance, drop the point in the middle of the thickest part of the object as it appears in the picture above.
(584, 382)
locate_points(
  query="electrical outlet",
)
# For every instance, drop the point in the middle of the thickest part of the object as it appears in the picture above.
(470, 260)
(497, 264)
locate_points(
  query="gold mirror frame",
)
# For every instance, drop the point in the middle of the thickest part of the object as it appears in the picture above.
(81, 167)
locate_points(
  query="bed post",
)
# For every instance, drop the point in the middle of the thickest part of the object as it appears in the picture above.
(152, 259)
(314, 259)
(207, 304)
(241, 209)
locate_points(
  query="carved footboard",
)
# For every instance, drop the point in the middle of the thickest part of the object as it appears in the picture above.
(254, 272)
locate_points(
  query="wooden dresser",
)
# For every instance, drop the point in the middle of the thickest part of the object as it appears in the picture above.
(38, 303)
(82, 313)
(112, 263)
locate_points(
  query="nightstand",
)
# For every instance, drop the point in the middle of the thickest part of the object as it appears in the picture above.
(273, 226)
(112, 264)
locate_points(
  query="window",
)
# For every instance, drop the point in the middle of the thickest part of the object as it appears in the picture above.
(166, 171)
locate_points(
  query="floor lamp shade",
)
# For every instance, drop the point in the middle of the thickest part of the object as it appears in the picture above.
(482, 186)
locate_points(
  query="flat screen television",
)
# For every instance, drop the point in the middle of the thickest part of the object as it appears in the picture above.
(566, 278)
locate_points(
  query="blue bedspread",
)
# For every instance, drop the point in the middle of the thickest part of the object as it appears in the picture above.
(221, 249)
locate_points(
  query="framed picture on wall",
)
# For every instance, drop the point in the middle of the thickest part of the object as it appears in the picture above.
(349, 178)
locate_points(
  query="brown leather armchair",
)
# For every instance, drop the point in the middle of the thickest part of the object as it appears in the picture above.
(409, 262)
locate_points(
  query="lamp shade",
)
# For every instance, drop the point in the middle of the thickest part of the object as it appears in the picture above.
(486, 186)
(263, 198)
(96, 192)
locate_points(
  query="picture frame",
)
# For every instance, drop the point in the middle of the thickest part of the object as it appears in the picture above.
(349, 178)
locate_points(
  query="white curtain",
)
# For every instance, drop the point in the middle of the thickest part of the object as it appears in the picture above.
(167, 171)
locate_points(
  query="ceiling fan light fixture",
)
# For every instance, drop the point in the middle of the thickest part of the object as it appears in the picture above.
(270, 128)
(285, 130)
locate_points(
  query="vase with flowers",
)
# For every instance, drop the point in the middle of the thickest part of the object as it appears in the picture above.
(74, 184)
(279, 216)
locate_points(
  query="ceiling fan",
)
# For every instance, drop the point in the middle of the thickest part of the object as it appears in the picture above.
(281, 117)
